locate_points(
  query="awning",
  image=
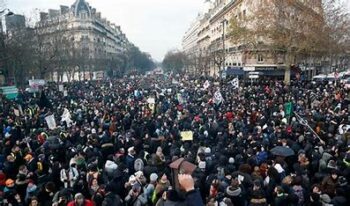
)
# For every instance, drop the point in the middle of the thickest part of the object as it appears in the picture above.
(276, 72)
(235, 71)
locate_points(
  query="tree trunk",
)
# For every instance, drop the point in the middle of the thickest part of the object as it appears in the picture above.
(287, 72)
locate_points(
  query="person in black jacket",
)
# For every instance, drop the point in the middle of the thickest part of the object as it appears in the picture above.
(193, 196)
(111, 199)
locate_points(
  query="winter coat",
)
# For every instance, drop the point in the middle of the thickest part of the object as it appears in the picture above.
(112, 200)
(86, 203)
(329, 185)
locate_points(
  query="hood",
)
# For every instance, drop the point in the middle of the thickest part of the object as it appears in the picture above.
(233, 191)
(326, 156)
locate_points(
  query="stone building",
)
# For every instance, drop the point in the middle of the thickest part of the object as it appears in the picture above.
(212, 28)
(83, 26)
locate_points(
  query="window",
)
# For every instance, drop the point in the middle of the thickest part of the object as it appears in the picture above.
(260, 58)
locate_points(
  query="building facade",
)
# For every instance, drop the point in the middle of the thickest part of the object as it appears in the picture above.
(82, 25)
(212, 27)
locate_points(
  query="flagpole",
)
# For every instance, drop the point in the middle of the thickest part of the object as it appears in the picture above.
(305, 123)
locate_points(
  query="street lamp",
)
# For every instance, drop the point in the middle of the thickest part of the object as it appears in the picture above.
(223, 22)
(4, 12)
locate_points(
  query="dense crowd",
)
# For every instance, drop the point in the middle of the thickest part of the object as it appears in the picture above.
(116, 139)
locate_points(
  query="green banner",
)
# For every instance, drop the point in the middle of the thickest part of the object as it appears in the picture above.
(288, 108)
(10, 92)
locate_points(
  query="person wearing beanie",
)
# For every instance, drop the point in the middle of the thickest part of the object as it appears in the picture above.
(79, 200)
(236, 193)
(149, 188)
(135, 196)
(30, 191)
(31, 163)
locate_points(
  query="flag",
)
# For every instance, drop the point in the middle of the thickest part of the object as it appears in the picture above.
(16, 111)
(218, 97)
(235, 83)
(206, 84)
(180, 98)
(288, 107)
(66, 117)
(51, 122)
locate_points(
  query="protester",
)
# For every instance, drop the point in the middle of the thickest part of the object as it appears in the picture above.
(111, 143)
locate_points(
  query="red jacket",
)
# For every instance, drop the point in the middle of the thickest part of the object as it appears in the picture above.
(87, 203)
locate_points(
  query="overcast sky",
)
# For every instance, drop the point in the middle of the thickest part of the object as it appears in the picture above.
(155, 26)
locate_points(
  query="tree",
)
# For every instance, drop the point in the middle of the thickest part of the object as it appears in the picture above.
(174, 61)
(138, 60)
(293, 29)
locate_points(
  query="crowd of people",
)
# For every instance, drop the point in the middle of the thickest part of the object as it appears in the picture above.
(114, 140)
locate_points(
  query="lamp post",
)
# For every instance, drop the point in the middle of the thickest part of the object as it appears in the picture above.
(223, 22)
(3, 63)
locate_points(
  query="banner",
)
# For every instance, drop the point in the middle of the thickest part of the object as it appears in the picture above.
(10, 92)
(151, 100)
(206, 84)
(186, 136)
(235, 83)
(36, 83)
(60, 88)
(66, 117)
(51, 122)
(288, 108)
(218, 97)
(16, 111)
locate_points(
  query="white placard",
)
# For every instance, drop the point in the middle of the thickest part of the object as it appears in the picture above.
(60, 88)
(51, 122)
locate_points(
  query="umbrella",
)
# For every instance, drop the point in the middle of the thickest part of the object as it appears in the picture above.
(282, 151)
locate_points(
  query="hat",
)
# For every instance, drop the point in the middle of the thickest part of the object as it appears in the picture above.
(231, 160)
(93, 131)
(28, 157)
(325, 198)
(131, 150)
(31, 188)
(7, 135)
(78, 196)
(233, 191)
(207, 150)
(342, 181)
(9, 182)
(301, 138)
(138, 174)
(153, 177)
(132, 179)
(332, 164)
(202, 165)
(11, 158)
